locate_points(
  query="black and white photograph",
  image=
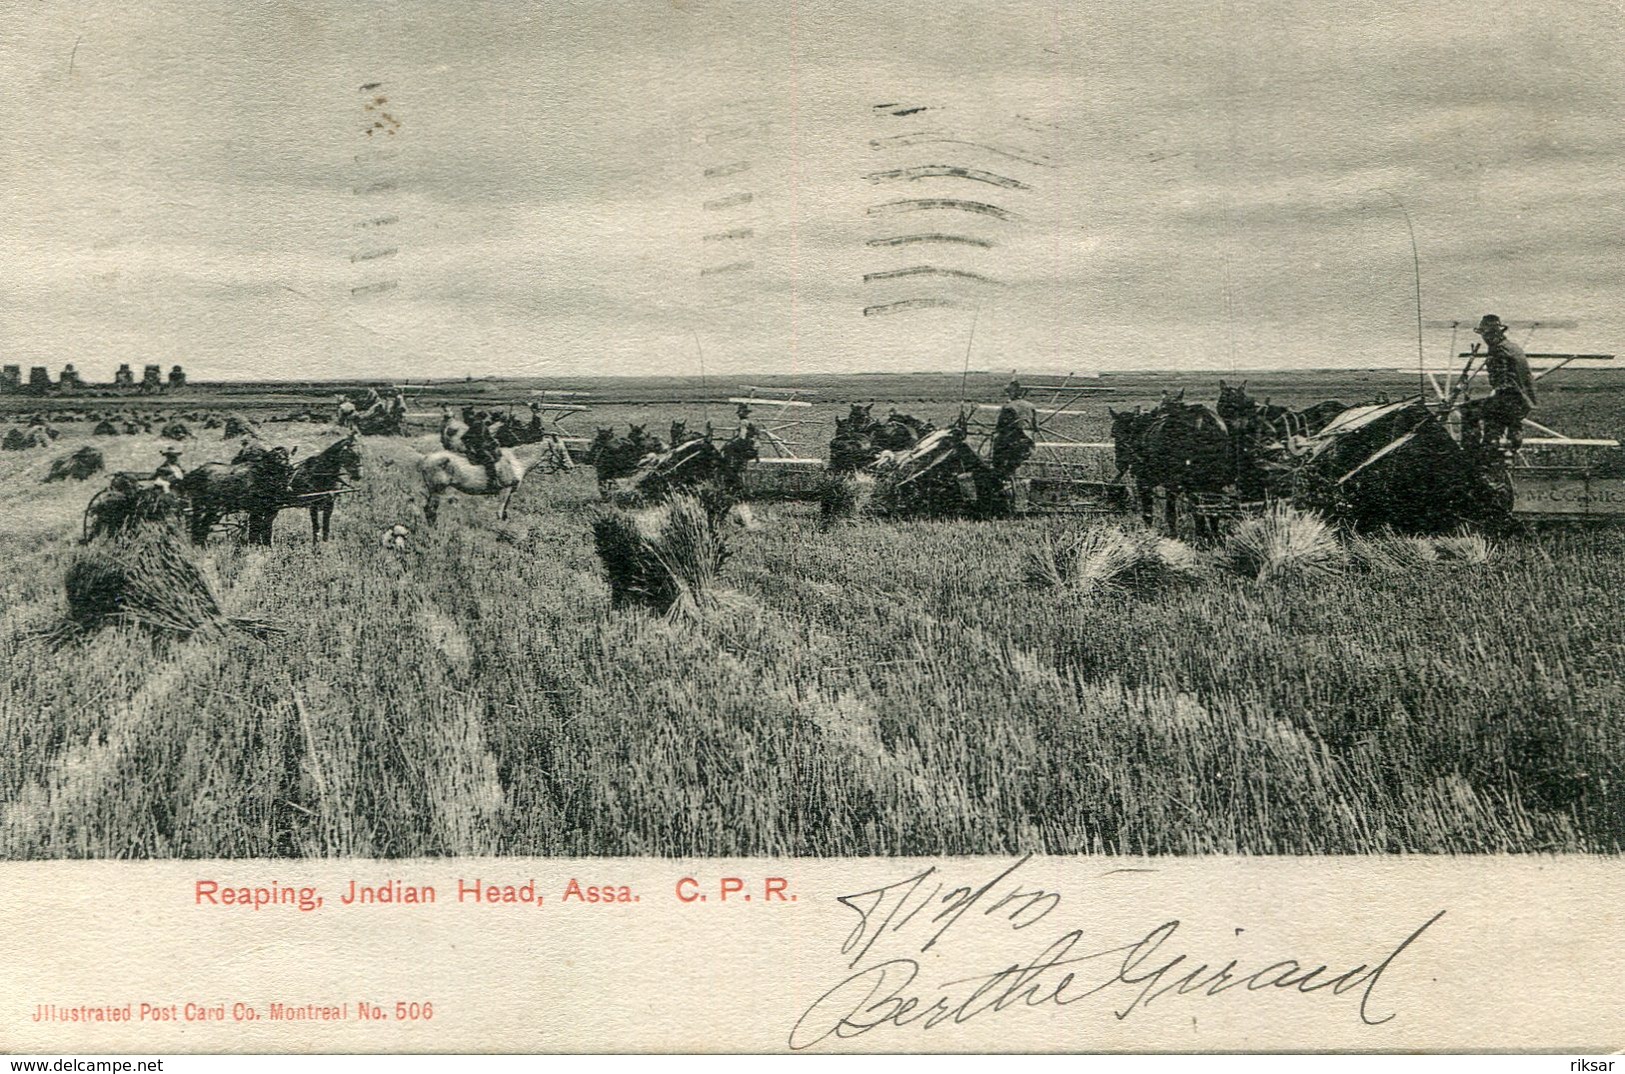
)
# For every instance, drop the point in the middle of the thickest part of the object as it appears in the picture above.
(709, 429)
(1125, 436)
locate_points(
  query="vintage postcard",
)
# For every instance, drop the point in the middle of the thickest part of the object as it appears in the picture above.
(726, 526)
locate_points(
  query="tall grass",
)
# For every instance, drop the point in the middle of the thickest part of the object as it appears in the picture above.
(874, 689)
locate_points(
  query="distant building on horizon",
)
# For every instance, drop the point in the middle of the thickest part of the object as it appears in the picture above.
(152, 378)
(124, 378)
(11, 378)
(177, 378)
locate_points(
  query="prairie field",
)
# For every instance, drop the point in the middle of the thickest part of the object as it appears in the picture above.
(873, 688)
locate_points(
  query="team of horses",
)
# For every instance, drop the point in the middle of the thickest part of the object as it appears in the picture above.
(1191, 450)
(1186, 450)
(641, 466)
(262, 481)
(860, 438)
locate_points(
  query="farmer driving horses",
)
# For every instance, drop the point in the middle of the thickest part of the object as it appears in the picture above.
(1016, 432)
(170, 469)
(1485, 421)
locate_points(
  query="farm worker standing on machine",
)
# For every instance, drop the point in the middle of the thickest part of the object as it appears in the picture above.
(1485, 421)
(1016, 431)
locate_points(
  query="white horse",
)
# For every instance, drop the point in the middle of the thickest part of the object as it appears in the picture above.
(446, 470)
(451, 431)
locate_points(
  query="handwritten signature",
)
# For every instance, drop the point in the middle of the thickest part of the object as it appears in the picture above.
(918, 914)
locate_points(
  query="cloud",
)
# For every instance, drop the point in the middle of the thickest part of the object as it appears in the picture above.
(1196, 173)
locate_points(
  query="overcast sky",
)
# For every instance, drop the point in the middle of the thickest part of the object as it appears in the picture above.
(1200, 185)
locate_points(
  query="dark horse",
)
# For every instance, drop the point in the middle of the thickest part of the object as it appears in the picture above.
(255, 482)
(859, 439)
(899, 432)
(680, 434)
(1244, 413)
(852, 447)
(1261, 435)
(696, 463)
(1181, 448)
(316, 482)
(618, 456)
(510, 432)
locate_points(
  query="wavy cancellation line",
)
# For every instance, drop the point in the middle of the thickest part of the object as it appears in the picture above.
(914, 138)
(899, 109)
(931, 236)
(925, 270)
(721, 171)
(732, 266)
(730, 201)
(914, 205)
(907, 304)
(948, 171)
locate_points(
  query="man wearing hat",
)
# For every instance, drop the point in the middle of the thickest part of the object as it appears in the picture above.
(1485, 421)
(1016, 431)
(170, 469)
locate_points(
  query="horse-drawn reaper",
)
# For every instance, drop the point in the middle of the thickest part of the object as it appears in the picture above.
(255, 483)
(1424, 465)
(940, 476)
(371, 414)
(1377, 466)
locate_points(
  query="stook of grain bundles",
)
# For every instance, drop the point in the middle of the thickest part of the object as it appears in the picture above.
(148, 582)
(236, 425)
(18, 440)
(1107, 559)
(78, 466)
(133, 569)
(666, 558)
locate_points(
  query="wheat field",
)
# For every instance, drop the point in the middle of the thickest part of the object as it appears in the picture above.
(874, 688)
